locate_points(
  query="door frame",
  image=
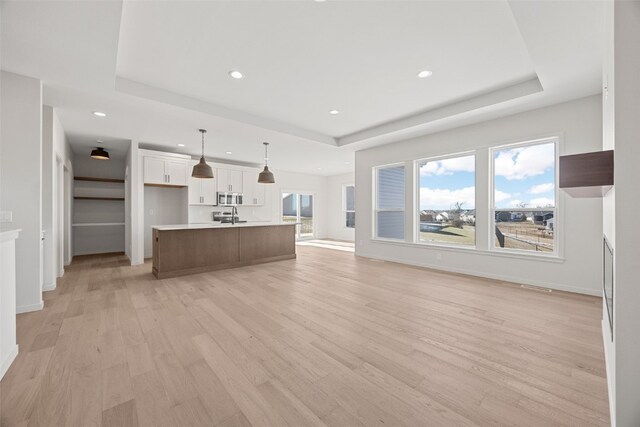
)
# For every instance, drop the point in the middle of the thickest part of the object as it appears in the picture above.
(313, 210)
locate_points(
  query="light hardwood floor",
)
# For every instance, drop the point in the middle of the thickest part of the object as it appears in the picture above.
(327, 339)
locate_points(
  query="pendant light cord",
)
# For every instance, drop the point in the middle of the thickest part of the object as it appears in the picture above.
(266, 156)
(202, 131)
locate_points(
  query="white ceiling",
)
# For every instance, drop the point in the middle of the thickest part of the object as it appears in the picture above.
(159, 69)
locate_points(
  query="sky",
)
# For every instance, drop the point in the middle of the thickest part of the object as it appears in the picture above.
(523, 175)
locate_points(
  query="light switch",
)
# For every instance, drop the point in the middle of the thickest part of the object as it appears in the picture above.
(6, 216)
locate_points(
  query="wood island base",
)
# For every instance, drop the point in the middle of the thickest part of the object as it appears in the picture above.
(182, 251)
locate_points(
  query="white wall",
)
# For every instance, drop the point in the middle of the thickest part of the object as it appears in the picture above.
(55, 146)
(335, 205)
(621, 129)
(21, 181)
(48, 204)
(579, 124)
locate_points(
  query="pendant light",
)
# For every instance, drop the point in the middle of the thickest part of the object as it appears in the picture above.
(99, 153)
(266, 176)
(202, 169)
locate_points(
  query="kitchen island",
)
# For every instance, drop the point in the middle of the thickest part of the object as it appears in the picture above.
(184, 249)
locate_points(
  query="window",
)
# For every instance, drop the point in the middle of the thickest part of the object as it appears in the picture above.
(349, 206)
(390, 198)
(524, 195)
(447, 200)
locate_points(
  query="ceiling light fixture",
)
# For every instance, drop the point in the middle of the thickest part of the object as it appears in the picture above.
(202, 169)
(236, 74)
(425, 73)
(228, 152)
(266, 176)
(99, 114)
(180, 145)
(99, 153)
(334, 112)
(99, 141)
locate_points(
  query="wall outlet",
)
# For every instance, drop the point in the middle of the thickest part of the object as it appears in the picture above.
(6, 216)
(439, 257)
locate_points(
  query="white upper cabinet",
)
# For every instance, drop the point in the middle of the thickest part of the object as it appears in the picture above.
(229, 180)
(165, 171)
(202, 191)
(154, 171)
(177, 172)
(253, 192)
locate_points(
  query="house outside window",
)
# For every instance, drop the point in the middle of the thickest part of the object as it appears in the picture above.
(446, 200)
(524, 197)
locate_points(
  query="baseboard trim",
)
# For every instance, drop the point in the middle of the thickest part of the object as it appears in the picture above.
(29, 308)
(51, 287)
(606, 337)
(516, 280)
(8, 360)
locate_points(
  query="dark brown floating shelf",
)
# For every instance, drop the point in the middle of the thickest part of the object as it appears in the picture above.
(587, 174)
(99, 198)
(88, 178)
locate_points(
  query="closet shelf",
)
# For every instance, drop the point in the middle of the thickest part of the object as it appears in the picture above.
(97, 224)
(98, 198)
(88, 178)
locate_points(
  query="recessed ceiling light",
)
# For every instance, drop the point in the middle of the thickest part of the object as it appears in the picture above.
(99, 141)
(319, 169)
(346, 163)
(180, 145)
(320, 1)
(425, 73)
(334, 112)
(228, 152)
(236, 74)
(99, 114)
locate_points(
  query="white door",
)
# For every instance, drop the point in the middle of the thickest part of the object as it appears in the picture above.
(154, 171)
(176, 172)
(298, 208)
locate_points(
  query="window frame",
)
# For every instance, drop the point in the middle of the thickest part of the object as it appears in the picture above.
(557, 209)
(344, 206)
(416, 195)
(375, 210)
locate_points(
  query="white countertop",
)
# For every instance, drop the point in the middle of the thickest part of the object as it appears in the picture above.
(217, 225)
(9, 234)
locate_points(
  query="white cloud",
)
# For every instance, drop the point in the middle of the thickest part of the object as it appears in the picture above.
(501, 196)
(541, 202)
(542, 188)
(525, 162)
(445, 198)
(449, 166)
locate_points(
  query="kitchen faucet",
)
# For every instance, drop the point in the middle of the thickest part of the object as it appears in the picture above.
(234, 213)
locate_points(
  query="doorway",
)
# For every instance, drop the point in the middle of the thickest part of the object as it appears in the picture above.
(298, 207)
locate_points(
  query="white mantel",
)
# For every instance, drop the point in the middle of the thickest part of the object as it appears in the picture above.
(8, 345)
